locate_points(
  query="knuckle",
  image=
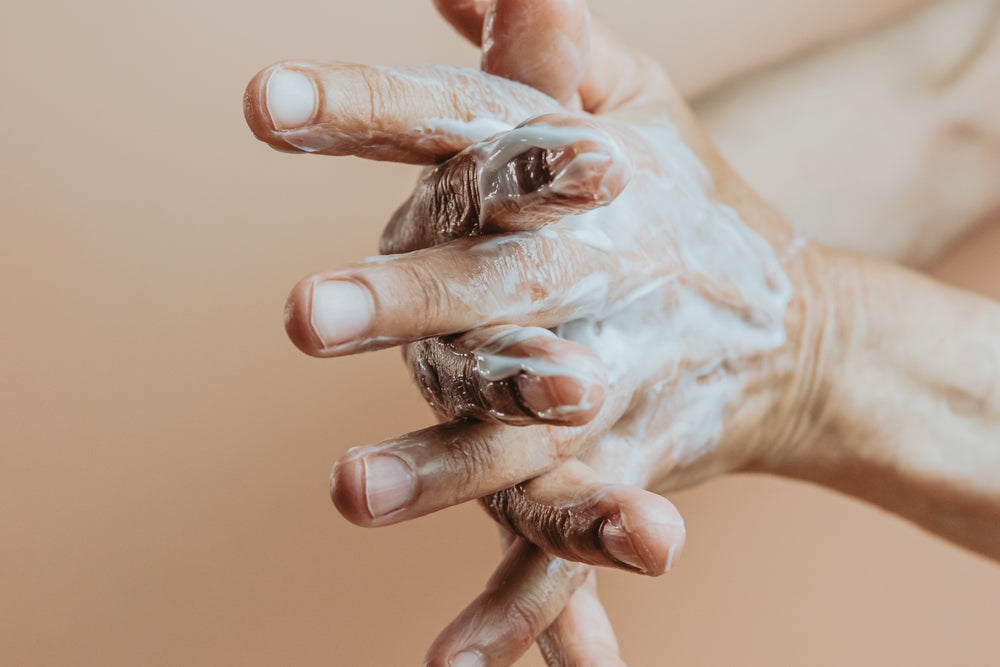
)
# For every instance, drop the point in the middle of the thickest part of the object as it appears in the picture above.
(439, 209)
(444, 206)
(569, 531)
(524, 619)
(426, 288)
(502, 506)
(446, 377)
(454, 199)
(375, 84)
(468, 459)
(562, 530)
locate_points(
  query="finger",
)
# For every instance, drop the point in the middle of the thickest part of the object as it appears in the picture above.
(523, 597)
(525, 279)
(550, 45)
(573, 513)
(615, 75)
(419, 114)
(543, 44)
(514, 375)
(466, 16)
(452, 463)
(544, 170)
(582, 633)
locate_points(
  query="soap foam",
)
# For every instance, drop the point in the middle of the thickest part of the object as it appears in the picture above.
(695, 294)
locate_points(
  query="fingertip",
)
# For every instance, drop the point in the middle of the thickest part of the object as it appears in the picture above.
(284, 96)
(526, 593)
(560, 400)
(347, 490)
(255, 109)
(328, 316)
(298, 319)
(463, 659)
(254, 106)
(660, 545)
(653, 528)
(448, 644)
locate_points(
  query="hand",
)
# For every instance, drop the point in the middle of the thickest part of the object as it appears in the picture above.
(677, 286)
(864, 441)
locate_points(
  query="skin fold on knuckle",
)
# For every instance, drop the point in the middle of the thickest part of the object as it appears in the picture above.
(413, 286)
(571, 532)
(378, 85)
(452, 201)
(523, 621)
(448, 380)
(467, 461)
(443, 206)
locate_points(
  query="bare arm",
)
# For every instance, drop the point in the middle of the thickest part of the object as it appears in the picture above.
(752, 34)
(893, 401)
(884, 144)
(908, 413)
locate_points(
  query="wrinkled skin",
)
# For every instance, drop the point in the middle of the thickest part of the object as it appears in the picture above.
(674, 366)
(566, 418)
(661, 229)
(634, 438)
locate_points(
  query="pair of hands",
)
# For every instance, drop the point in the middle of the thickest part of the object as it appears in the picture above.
(593, 302)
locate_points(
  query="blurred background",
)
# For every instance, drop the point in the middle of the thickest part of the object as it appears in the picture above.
(164, 450)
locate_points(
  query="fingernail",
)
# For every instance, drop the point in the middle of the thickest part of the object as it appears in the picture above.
(651, 542)
(619, 545)
(291, 97)
(665, 533)
(467, 659)
(341, 311)
(389, 485)
(557, 396)
(581, 174)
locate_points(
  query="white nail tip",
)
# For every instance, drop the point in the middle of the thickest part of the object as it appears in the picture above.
(670, 557)
(467, 659)
(341, 311)
(291, 99)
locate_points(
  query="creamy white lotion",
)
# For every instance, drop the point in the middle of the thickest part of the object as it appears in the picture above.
(695, 293)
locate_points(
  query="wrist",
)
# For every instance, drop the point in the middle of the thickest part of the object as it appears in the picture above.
(902, 404)
(795, 406)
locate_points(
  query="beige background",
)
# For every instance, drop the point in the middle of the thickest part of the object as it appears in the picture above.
(164, 450)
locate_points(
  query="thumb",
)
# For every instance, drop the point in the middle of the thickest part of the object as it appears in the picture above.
(545, 45)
